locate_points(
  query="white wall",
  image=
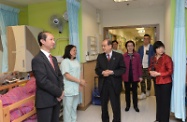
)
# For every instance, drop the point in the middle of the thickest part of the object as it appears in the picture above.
(89, 24)
(138, 16)
(168, 44)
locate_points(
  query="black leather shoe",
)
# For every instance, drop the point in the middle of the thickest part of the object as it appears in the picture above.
(127, 108)
(156, 121)
(136, 109)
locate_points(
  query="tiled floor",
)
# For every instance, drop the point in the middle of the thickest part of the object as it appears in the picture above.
(147, 112)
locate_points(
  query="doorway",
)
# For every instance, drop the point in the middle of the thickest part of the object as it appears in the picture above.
(135, 33)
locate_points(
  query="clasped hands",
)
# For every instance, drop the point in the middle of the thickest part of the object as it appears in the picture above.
(154, 73)
(82, 82)
(61, 97)
(106, 73)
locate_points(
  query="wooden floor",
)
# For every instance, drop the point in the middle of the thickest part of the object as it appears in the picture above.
(147, 112)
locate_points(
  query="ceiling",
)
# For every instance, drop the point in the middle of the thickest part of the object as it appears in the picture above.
(99, 4)
(110, 4)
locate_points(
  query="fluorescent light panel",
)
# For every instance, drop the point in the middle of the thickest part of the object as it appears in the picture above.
(140, 29)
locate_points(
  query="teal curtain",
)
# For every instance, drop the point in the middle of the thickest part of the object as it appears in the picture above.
(179, 59)
(8, 17)
(73, 7)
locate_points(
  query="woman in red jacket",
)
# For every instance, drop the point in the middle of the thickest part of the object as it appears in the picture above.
(161, 67)
(132, 75)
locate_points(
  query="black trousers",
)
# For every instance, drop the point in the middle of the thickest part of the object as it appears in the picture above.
(163, 100)
(50, 114)
(154, 81)
(134, 92)
(107, 94)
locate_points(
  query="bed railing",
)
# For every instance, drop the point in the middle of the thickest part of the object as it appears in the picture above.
(5, 111)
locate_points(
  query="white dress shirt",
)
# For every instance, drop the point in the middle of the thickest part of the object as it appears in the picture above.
(145, 57)
(110, 54)
(46, 53)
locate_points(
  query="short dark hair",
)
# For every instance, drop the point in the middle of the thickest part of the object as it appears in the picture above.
(42, 35)
(115, 41)
(130, 41)
(67, 51)
(157, 44)
(147, 35)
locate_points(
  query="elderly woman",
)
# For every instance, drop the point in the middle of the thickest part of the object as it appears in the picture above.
(70, 68)
(132, 75)
(161, 67)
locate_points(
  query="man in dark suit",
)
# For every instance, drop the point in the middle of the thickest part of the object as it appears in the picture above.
(110, 67)
(49, 80)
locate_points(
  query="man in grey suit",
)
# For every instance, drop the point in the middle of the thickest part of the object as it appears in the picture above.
(110, 67)
(49, 80)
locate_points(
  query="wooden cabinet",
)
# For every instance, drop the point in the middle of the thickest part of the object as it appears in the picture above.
(88, 75)
(22, 47)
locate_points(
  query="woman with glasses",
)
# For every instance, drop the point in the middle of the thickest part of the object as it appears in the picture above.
(133, 74)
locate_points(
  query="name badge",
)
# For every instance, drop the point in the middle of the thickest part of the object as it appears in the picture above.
(147, 52)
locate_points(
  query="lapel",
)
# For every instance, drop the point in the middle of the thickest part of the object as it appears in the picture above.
(55, 65)
(127, 59)
(104, 60)
(112, 59)
(149, 49)
(143, 49)
(46, 60)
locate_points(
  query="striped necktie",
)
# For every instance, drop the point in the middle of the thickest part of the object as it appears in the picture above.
(108, 57)
(51, 61)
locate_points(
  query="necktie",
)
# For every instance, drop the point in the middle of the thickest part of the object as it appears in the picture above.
(108, 57)
(51, 61)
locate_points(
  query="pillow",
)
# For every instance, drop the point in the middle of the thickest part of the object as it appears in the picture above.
(19, 93)
(30, 87)
(27, 107)
(12, 96)
(16, 113)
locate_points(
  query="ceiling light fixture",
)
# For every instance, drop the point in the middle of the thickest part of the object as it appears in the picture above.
(123, 0)
(140, 29)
